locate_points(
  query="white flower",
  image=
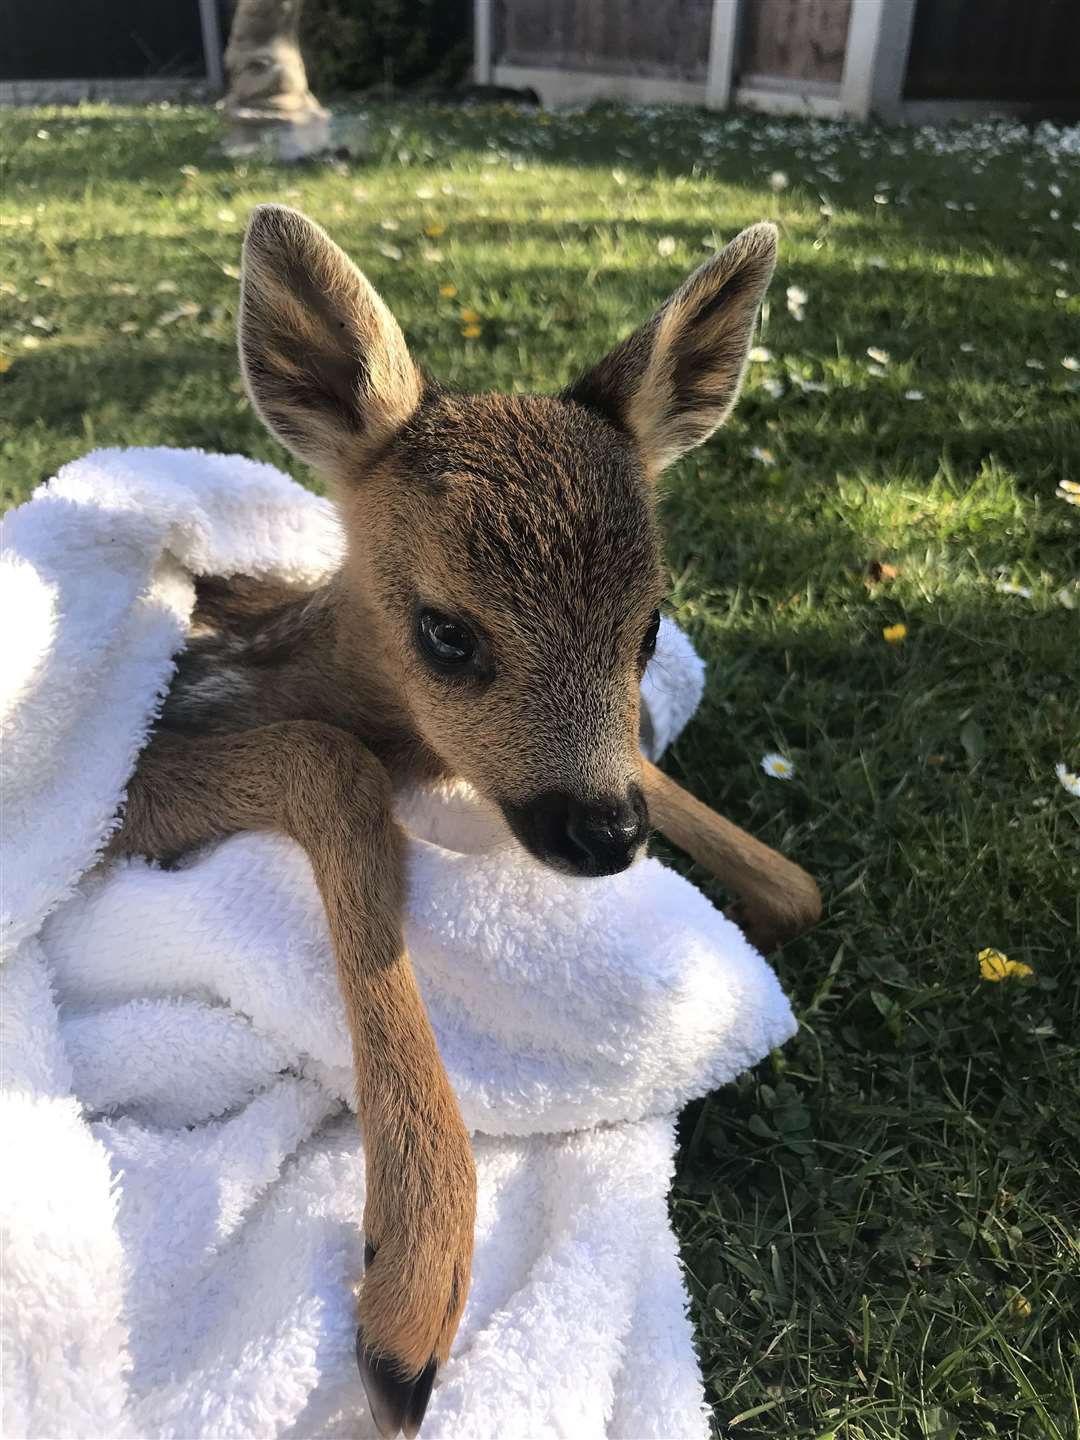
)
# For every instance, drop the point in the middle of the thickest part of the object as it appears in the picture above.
(951, 205)
(1070, 362)
(1009, 587)
(914, 395)
(966, 346)
(182, 312)
(763, 456)
(760, 355)
(165, 287)
(424, 193)
(1034, 364)
(780, 768)
(1066, 598)
(876, 370)
(880, 199)
(1069, 491)
(774, 388)
(1069, 781)
(877, 354)
(388, 224)
(226, 216)
(390, 251)
(619, 176)
(778, 181)
(1055, 191)
(666, 245)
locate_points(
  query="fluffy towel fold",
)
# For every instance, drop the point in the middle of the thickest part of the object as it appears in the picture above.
(183, 1185)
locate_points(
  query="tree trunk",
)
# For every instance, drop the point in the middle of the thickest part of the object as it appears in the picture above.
(268, 90)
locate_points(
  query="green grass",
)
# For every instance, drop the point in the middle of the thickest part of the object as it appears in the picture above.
(880, 1225)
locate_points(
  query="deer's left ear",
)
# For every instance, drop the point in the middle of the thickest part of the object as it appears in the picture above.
(671, 383)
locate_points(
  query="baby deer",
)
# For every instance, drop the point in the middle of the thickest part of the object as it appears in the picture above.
(492, 621)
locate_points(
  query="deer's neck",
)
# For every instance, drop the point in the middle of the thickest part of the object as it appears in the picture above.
(260, 651)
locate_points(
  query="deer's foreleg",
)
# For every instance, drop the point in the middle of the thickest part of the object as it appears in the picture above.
(321, 786)
(777, 899)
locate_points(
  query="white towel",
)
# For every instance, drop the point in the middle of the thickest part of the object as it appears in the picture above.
(183, 1185)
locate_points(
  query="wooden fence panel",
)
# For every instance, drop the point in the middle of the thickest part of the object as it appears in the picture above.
(99, 39)
(668, 38)
(794, 39)
(995, 50)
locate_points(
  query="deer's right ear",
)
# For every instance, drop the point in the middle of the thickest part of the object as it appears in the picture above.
(324, 361)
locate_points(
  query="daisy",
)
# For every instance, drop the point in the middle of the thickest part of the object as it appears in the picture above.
(760, 355)
(778, 181)
(877, 354)
(666, 245)
(763, 456)
(1068, 780)
(1069, 491)
(1009, 587)
(914, 395)
(777, 766)
(1070, 362)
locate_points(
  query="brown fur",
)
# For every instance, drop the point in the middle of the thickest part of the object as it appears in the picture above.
(531, 519)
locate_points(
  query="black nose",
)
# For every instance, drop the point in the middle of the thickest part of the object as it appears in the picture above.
(584, 837)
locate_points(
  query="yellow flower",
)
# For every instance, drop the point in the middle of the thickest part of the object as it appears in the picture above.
(472, 332)
(448, 291)
(1020, 1306)
(6, 363)
(434, 230)
(996, 966)
(893, 634)
(470, 317)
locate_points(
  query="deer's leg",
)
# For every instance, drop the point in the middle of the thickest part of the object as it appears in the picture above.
(324, 788)
(778, 899)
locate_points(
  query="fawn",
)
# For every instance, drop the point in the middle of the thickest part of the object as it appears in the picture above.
(492, 621)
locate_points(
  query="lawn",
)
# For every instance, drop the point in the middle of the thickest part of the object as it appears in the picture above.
(880, 1225)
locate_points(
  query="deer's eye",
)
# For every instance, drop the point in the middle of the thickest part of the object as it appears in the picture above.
(445, 643)
(648, 643)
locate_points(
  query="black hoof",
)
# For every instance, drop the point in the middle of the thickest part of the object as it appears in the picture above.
(397, 1404)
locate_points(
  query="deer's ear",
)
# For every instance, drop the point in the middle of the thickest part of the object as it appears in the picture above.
(671, 383)
(324, 361)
